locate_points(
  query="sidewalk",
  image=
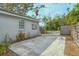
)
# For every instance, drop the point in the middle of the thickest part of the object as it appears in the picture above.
(56, 48)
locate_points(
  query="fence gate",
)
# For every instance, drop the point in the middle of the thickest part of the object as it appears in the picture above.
(65, 30)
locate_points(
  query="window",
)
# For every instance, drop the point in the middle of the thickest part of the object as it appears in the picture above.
(21, 24)
(34, 26)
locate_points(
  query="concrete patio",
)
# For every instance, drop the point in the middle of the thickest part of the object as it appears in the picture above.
(39, 45)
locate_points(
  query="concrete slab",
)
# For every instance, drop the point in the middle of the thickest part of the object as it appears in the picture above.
(34, 46)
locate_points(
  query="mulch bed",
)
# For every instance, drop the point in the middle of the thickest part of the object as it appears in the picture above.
(71, 49)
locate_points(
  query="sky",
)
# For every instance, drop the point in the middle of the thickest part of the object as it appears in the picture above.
(52, 9)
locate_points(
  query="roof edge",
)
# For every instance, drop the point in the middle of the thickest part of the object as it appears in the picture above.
(15, 15)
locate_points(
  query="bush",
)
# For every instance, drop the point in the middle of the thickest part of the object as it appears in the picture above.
(3, 48)
(4, 45)
(21, 36)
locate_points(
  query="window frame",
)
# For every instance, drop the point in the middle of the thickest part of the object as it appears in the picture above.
(34, 26)
(21, 24)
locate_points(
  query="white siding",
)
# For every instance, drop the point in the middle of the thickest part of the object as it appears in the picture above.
(28, 28)
(10, 25)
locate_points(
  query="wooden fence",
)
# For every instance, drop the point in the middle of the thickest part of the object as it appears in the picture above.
(75, 33)
(65, 30)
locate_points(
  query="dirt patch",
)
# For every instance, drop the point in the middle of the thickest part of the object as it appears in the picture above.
(71, 49)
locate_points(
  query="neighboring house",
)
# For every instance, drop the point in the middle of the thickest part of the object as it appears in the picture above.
(11, 24)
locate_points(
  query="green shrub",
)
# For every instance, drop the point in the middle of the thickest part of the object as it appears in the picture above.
(3, 48)
(4, 45)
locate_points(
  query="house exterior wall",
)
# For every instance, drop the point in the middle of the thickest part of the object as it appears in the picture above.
(29, 30)
(9, 25)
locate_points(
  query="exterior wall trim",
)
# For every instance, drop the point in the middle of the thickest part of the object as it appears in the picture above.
(26, 17)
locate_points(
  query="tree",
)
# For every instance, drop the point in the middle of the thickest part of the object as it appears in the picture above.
(37, 9)
(21, 8)
(45, 19)
(53, 24)
(72, 16)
